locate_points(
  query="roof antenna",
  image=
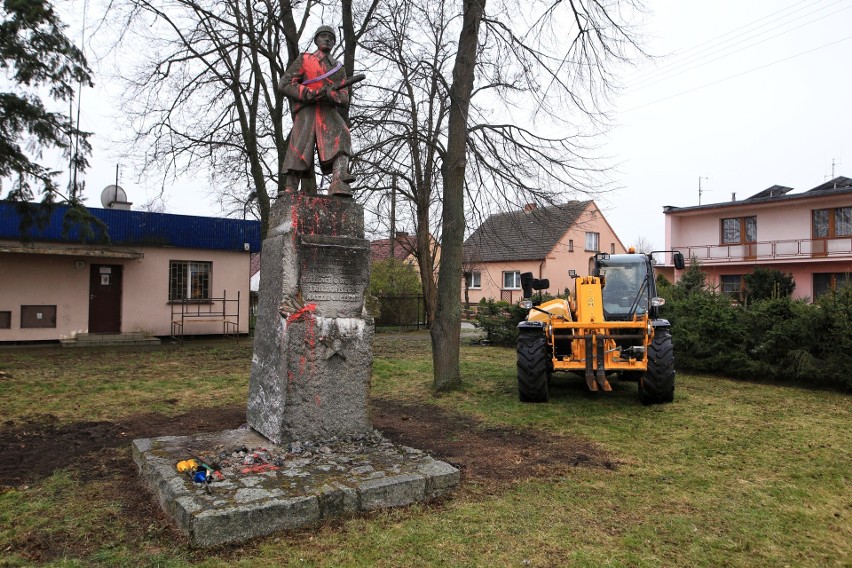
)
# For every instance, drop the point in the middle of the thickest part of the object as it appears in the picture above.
(834, 163)
(700, 190)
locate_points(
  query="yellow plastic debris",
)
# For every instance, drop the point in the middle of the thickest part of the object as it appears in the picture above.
(187, 465)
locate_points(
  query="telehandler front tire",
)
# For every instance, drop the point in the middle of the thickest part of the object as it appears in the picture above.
(658, 383)
(532, 367)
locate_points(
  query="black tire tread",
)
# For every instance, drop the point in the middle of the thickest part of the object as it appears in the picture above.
(658, 384)
(532, 367)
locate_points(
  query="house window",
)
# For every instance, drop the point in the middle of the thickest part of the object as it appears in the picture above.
(611, 248)
(474, 279)
(5, 320)
(189, 280)
(732, 285)
(825, 282)
(832, 223)
(570, 245)
(512, 280)
(737, 230)
(593, 242)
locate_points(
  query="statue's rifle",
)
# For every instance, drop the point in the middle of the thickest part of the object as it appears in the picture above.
(347, 82)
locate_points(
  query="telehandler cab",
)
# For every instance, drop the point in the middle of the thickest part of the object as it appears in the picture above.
(611, 324)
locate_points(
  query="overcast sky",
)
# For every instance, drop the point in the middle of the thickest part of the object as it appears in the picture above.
(743, 94)
(752, 94)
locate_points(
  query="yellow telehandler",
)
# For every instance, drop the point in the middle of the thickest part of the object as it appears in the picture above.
(611, 324)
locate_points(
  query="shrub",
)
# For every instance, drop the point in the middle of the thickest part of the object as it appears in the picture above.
(692, 281)
(707, 332)
(766, 283)
(829, 334)
(499, 320)
(393, 277)
(771, 337)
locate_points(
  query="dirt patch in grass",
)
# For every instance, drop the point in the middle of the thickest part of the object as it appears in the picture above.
(33, 449)
(98, 452)
(490, 456)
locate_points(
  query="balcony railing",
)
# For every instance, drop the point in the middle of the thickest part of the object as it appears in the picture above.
(789, 249)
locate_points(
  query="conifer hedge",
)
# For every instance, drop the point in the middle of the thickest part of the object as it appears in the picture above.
(765, 338)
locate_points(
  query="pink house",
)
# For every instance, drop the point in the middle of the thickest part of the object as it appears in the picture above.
(808, 235)
(547, 241)
(157, 275)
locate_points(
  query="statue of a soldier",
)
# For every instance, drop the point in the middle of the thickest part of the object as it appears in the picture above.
(316, 85)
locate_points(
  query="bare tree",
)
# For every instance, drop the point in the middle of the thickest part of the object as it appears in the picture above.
(446, 328)
(643, 245)
(523, 133)
(402, 120)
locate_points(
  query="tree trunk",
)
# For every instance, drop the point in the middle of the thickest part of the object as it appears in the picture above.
(446, 329)
(426, 259)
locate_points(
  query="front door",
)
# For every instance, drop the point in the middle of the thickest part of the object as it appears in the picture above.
(105, 298)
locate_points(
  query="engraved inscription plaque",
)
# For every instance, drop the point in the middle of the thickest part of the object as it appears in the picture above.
(334, 274)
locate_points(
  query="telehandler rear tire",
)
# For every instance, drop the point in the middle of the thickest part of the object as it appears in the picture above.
(657, 384)
(532, 367)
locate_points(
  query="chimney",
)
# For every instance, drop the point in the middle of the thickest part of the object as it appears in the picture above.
(733, 196)
(401, 234)
(529, 207)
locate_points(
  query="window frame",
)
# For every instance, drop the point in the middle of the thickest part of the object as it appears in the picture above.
(517, 278)
(725, 288)
(742, 230)
(596, 237)
(830, 284)
(474, 280)
(191, 268)
(831, 222)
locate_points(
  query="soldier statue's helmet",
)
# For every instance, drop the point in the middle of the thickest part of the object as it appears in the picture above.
(327, 29)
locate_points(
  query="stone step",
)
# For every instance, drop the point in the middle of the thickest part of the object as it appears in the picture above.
(129, 336)
(109, 339)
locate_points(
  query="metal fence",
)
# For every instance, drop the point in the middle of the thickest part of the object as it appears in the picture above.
(402, 312)
(253, 301)
(786, 249)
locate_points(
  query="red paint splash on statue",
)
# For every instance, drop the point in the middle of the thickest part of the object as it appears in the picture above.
(315, 83)
(305, 314)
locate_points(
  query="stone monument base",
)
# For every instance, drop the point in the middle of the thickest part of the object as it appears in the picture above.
(266, 488)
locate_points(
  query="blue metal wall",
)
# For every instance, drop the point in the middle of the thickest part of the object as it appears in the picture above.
(140, 228)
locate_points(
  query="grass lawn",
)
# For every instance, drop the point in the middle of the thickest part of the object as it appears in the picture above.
(730, 474)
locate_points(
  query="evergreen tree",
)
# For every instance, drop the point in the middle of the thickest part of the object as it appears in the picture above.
(693, 280)
(39, 60)
(767, 283)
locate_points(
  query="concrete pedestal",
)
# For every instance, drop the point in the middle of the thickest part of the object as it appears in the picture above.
(310, 378)
(312, 360)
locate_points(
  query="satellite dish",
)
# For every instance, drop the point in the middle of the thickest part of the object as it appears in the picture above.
(113, 197)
